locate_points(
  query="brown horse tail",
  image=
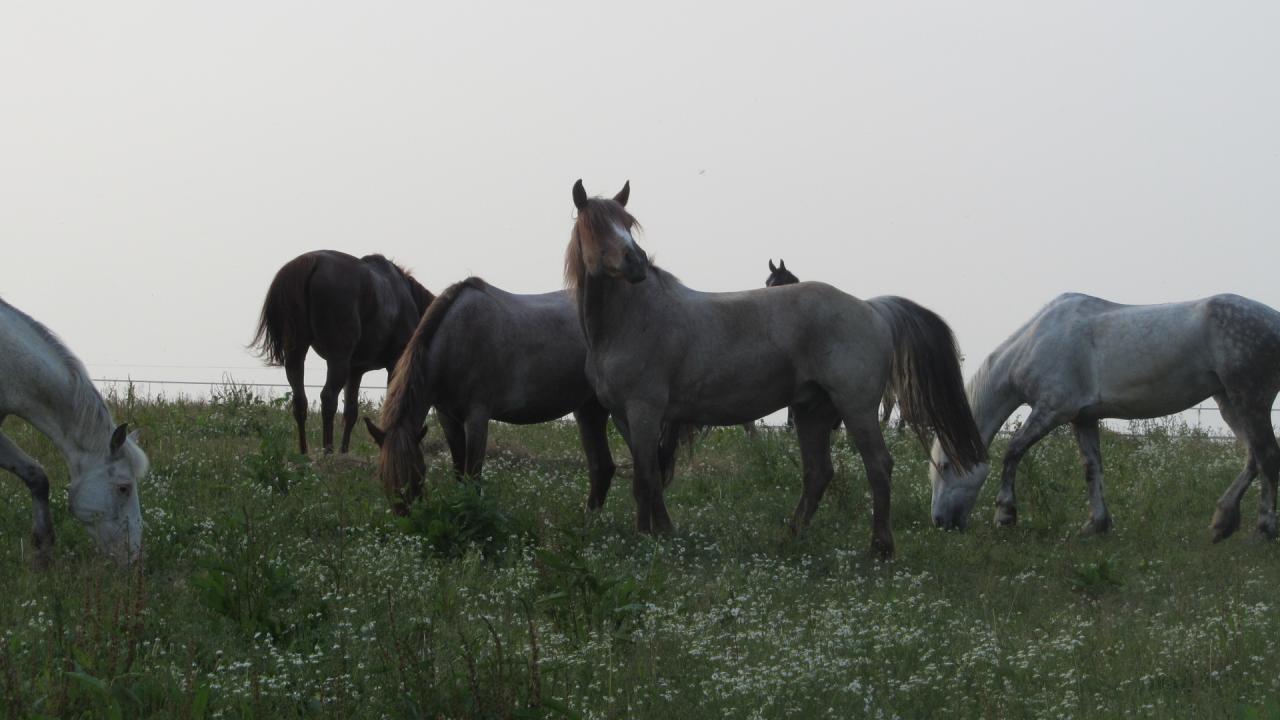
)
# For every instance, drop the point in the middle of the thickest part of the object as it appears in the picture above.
(284, 312)
(926, 379)
(410, 394)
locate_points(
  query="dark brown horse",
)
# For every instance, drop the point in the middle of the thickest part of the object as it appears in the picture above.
(779, 275)
(660, 353)
(358, 314)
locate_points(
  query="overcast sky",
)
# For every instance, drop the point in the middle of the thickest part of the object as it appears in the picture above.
(160, 161)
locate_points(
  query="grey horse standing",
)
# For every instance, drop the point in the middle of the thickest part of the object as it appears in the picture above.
(481, 353)
(660, 353)
(1082, 359)
(780, 275)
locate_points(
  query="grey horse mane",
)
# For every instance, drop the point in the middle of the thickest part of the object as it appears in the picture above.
(90, 415)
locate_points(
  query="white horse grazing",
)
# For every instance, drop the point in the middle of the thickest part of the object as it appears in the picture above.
(43, 383)
(1081, 359)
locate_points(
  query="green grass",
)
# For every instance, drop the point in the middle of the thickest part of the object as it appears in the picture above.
(279, 586)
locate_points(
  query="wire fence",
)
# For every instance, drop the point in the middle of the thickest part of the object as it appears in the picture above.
(1195, 417)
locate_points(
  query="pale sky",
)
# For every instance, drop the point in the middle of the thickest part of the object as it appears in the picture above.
(160, 161)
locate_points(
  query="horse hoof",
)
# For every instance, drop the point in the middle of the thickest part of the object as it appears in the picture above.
(1096, 527)
(1267, 527)
(1006, 516)
(882, 550)
(1225, 522)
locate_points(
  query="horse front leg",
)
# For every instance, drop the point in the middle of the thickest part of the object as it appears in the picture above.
(1039, 424)
(813, 432)
(19, 463)
(335, 379)
(644, 431)
(456, 437)
(1088, 441)
(477, 428)
(593, 430)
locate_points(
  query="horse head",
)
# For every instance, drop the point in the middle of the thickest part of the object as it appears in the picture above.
(104, 497)
(602, 241)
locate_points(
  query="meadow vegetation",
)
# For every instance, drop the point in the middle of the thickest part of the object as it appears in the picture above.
(279, 586)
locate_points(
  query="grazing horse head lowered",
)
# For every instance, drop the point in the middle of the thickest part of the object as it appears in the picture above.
(42, 382)
(1081, 359)
(661, 354)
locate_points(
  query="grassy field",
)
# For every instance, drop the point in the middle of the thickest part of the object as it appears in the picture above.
(279, 586)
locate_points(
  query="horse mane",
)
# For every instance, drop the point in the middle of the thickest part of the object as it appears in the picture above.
(422, 297)
(409, 394)
(90, 416)
(593, 221)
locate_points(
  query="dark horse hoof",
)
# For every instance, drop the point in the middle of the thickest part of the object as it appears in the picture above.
(1006, 516)
(1226, 520)
(881, 550)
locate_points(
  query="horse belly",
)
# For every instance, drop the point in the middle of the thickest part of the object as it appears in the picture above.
(732, 397)
(1157, 396)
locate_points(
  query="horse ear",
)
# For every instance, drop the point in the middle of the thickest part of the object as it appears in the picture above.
(375, 432)
(782, 264)
(772, 268)
(623, 194)
(579, 195)
(118, 437)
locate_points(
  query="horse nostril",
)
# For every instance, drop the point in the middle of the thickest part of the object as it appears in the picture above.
(937, 521)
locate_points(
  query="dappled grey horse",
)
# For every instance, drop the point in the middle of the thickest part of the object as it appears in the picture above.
(44, 384)
(1081, 359)
(481, 353)
(357, 313)
(660, 353)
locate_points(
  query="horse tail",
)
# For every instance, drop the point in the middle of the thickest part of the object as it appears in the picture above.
(927, 382)
(410, 394)
(284, 312)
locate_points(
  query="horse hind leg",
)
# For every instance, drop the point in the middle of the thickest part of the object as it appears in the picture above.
(293, 371)
(350, 407)
(864, 430)
(1090, 446)
(335, 379)
(1253, 425)
(19, 463)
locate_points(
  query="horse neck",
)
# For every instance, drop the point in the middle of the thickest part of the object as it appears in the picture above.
(79, 426)
(604, 303)
(992, 397)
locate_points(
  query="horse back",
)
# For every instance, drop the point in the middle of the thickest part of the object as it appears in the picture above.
(521, 357)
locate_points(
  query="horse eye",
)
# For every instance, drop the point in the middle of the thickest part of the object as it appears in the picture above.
(124, 490)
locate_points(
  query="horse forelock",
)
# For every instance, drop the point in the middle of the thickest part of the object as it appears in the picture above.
(595, 223)
(396, 460)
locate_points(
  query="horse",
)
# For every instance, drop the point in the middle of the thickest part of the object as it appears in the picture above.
(660, 353)
(1081, 359)
(42, 382)
(780, 275)
(481, 353)
(358, 314)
